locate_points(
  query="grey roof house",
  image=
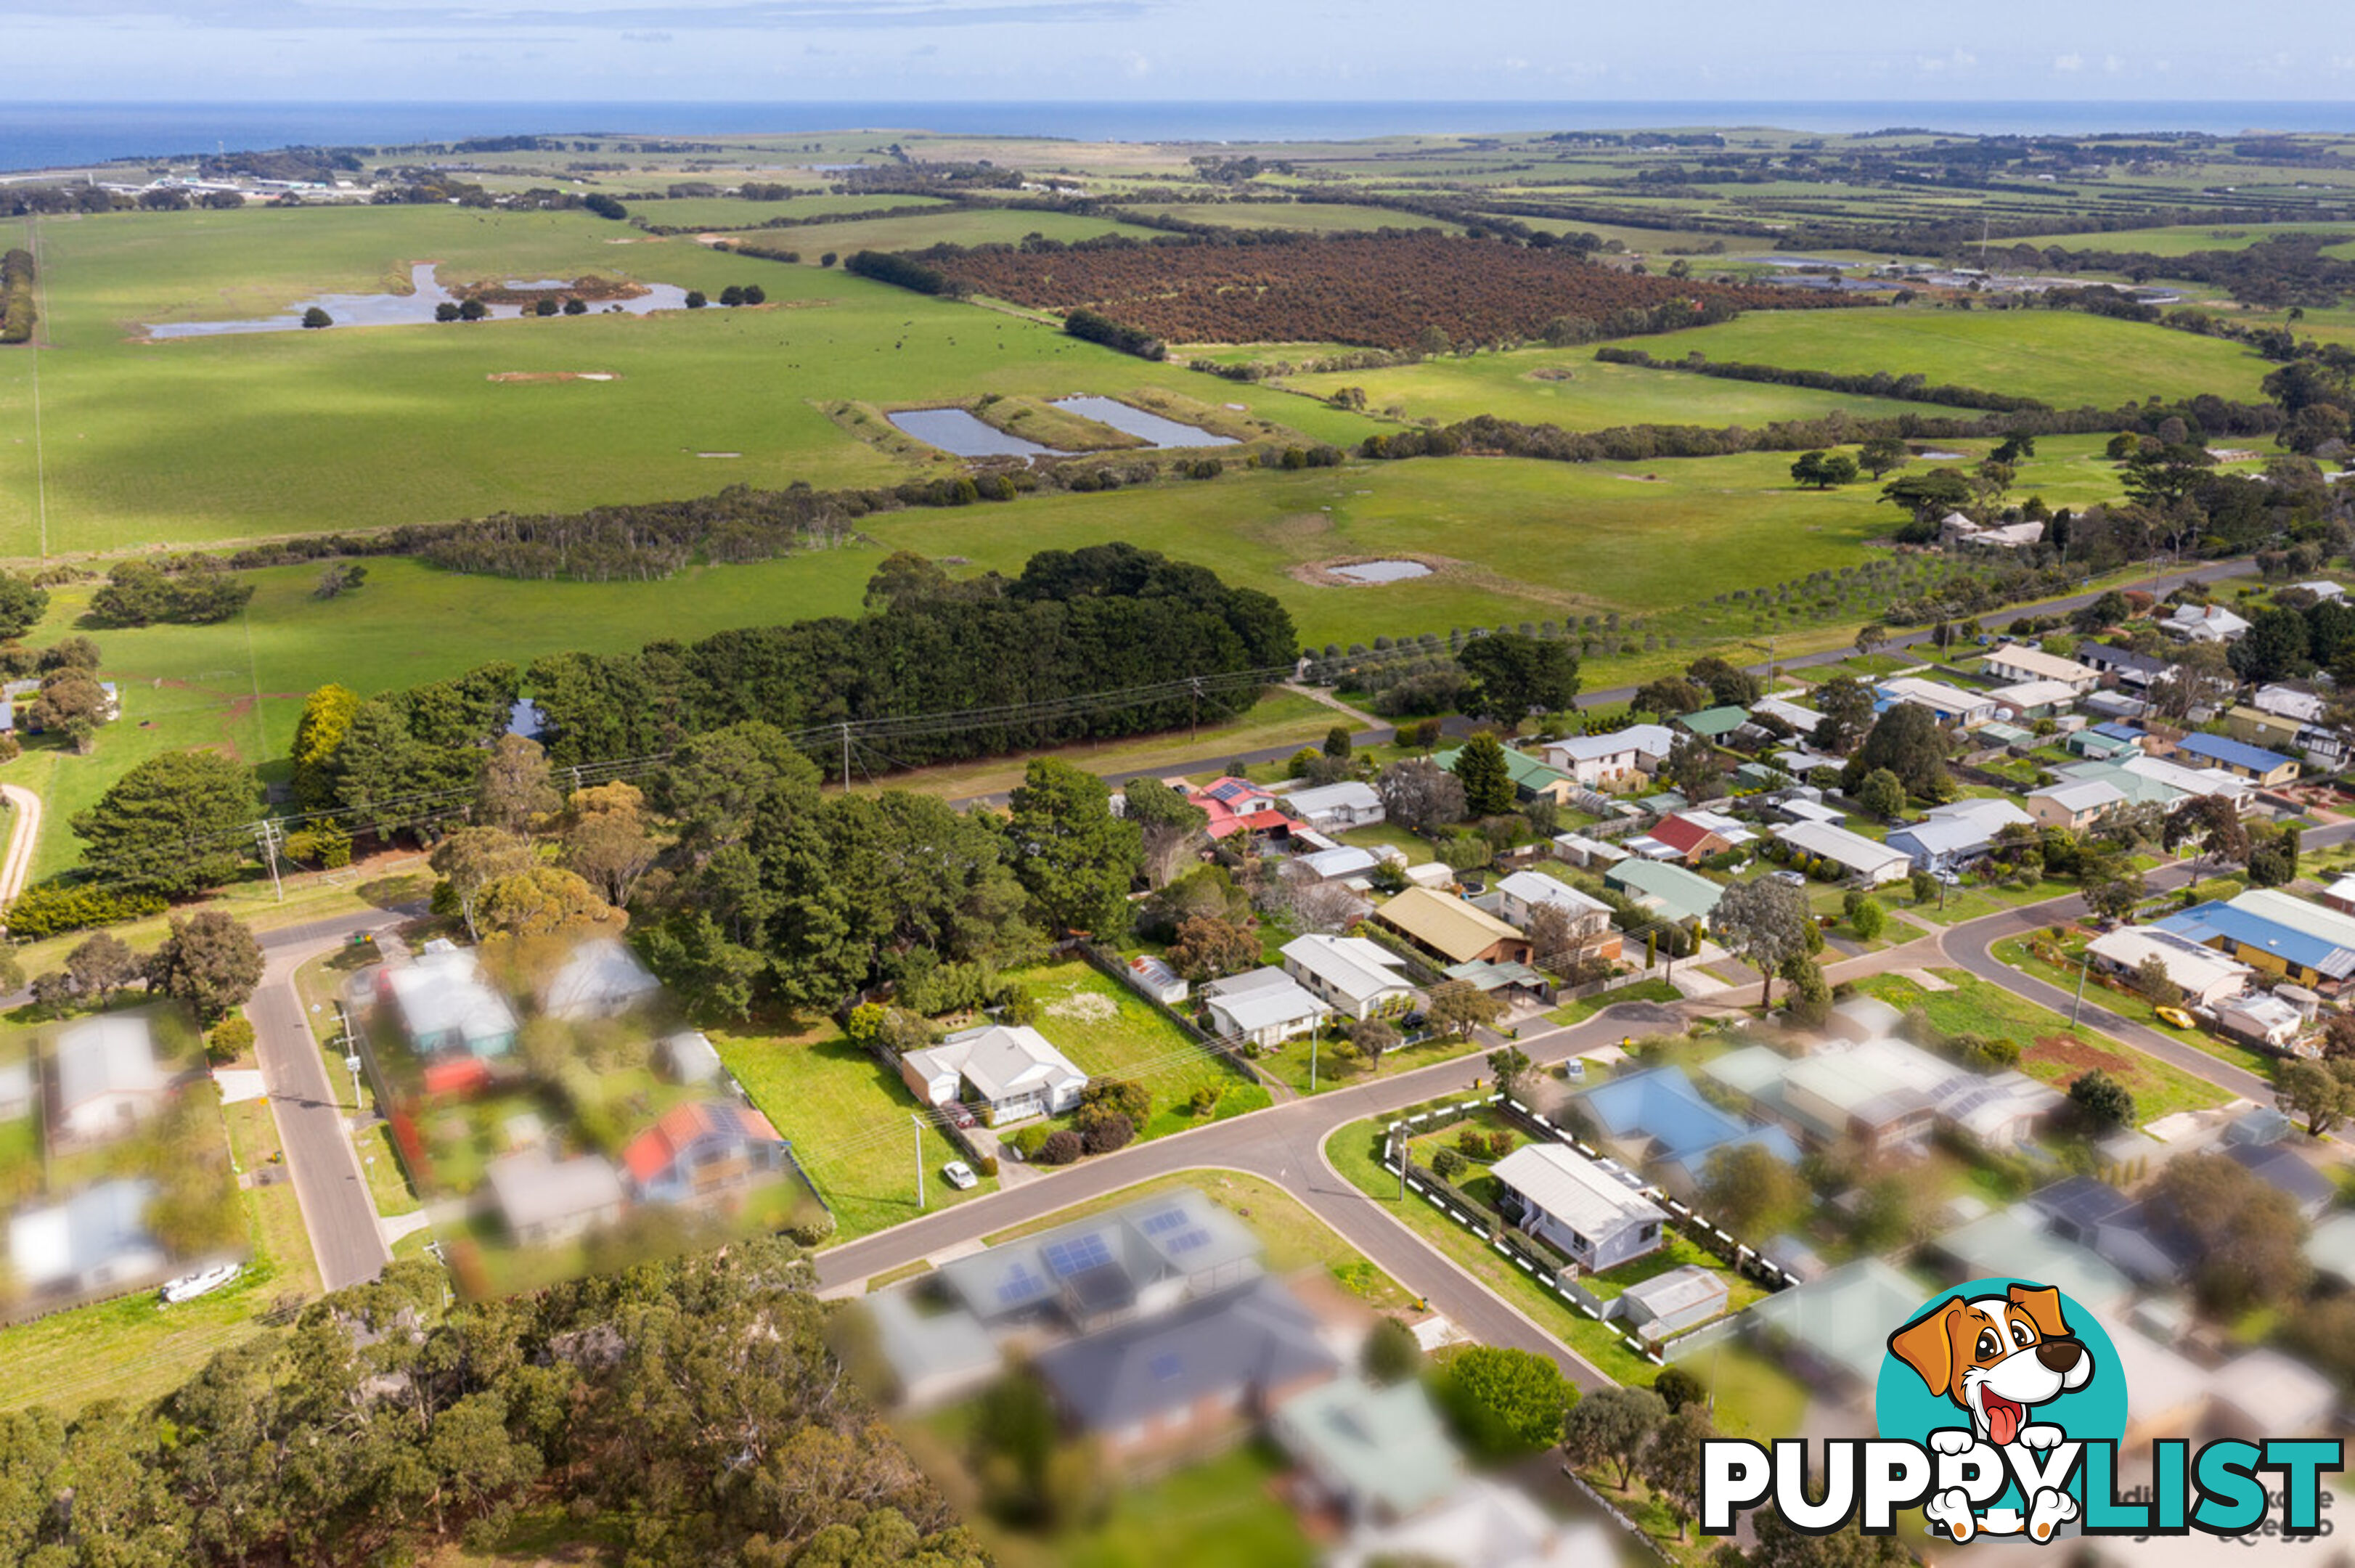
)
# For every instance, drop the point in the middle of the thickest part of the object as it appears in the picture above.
(1195, 1378)
(1137, 1260)
(446, 1007)
(544, 1202)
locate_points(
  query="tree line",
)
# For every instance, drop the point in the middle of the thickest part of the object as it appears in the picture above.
(17, 314)
(1910, 387)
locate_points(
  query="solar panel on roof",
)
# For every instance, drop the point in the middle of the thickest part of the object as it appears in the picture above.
(1018, 1285)
(1168, 1367)
(1167, 1220)
(1190, 1242)
(1072, 1257)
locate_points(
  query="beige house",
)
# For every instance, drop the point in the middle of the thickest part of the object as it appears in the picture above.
(1444, 925)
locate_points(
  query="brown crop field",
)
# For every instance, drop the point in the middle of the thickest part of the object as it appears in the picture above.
(1381, 293)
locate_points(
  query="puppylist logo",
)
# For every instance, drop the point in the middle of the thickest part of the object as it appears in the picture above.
(2001, 1405)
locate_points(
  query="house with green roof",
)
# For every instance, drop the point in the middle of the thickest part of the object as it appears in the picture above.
(1834, 1331)
(1380, 1455)
(1665, 889)
(1531, 778)
(1714, 724)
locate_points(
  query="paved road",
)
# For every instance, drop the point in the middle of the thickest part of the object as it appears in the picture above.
(338, 1209)
(24, 833)
(1285, 1145)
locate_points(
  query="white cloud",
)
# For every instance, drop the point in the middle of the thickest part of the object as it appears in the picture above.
(2069, 62)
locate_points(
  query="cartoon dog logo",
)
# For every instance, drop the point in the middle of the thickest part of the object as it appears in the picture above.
(1996, 1357)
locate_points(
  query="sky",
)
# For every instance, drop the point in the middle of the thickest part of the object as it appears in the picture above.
(1097, 50)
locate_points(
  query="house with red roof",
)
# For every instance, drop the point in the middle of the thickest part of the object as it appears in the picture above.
(701, 1149)
(1237, 805)
(1693, 841)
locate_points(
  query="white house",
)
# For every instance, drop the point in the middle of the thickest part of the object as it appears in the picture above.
(2205, 976)
(1354, 976)
(93, 1240)
(1596, 1218)
(1519, 895)
(2261, 1019)
(545, 1201)
(599, 979)
(2032, 698)
(2017, 662)
(1858, 856)
(2204, 624)
(1331, 808)
(108, 1078)
(1595, 759)
(1950, 703)
(15, 1091)
(1266, 1007)
(1012, 1069)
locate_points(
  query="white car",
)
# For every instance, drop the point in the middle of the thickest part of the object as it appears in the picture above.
(204, 1281)
(960, 1175)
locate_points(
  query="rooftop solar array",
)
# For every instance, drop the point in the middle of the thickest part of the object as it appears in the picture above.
(1073, 1254)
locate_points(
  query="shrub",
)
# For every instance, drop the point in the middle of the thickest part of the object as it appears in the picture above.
(1204, 1100)
(985, 1164)
(1448, 1165)
(1105, 1131)
(809, 1232)
(231, 1037)
(1061, 1146)
(1025, 1141)
(1124, 1096)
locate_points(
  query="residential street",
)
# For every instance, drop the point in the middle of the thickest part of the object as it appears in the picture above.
(1284, 1144)
(338, 1210)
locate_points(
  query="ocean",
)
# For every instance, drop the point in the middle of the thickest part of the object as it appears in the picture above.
(36, 135)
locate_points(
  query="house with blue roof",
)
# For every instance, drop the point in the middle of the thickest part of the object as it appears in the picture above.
(2239, 758)
(1657, 1119)
(2266, 944)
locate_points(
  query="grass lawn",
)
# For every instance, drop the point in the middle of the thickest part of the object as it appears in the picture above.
(1217, 1512)
(1295, 1238)
(1754, 1398)
(1354, 1151)
(1413, 845)
(1585, 1007)
(1108, 1031)
(850, 1120)
(1291, 1062)
(2052, 1052)
(2134, 1005)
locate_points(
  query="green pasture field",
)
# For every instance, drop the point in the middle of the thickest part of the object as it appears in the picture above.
(2183, 240)
(734, 212)
(1320, 217)
(1518, 540)
(270, 433)
(2065, 358)
(957, 226)
(1569, 388)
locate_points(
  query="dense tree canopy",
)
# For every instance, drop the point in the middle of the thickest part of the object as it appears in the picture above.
(176, 824)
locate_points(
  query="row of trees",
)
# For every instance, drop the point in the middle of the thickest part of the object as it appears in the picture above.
(138, 593)
(16, 314)
(687, 1413)
(1909, 388)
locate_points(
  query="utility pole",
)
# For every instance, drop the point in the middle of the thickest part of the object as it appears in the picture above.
(267, 836)
(2084, 968)
(1314, 1035)
(846, 756)
(919, 1122)
(1398, 1142)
